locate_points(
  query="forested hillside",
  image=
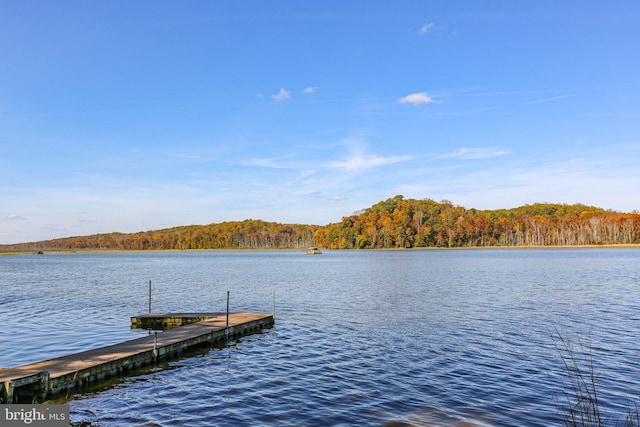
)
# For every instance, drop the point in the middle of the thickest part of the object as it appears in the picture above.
(393, 223)
(248, 234)
(408, 223)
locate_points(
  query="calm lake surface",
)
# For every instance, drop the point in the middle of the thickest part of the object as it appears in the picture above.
(395, 338)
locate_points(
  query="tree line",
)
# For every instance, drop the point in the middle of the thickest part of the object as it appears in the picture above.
(248, 234)
(393, 223)
(408, 223)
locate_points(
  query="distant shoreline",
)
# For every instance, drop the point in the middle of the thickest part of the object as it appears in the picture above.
(66, 251)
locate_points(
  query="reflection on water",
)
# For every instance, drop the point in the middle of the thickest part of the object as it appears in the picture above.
(415, 338)
(433, 417)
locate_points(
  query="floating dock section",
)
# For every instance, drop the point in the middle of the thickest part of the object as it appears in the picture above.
(45, 380)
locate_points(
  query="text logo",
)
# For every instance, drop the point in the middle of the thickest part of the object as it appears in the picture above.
(34, 415)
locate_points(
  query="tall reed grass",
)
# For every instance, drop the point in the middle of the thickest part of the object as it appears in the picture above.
(580, 404)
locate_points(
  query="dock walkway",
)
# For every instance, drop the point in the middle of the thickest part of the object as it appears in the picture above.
(46, 379)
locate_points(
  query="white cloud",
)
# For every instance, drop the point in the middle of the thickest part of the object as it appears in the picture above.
(310, 90)
(417, 99)
(550, 99)
(11, 217)
(265, 163)
(576, 175)
(427, 27)
(359, 162)
(477, 153)
(282, 95)
(338, 198)
(192, 157)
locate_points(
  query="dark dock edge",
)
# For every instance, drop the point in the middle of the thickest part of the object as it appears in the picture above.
(53, 378)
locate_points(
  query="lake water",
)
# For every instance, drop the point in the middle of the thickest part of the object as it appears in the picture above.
(380, 338)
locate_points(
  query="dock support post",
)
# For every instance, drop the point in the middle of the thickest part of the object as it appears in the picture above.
(149, 296)
(226, 329)
(8, 392)
(273, 302)
(155, 346)
(44, 382)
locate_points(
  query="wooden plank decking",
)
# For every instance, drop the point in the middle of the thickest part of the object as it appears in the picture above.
(52, 377)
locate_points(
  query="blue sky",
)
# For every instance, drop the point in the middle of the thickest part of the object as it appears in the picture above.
(128, 116)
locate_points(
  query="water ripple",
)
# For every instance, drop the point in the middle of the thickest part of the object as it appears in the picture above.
(396, 338)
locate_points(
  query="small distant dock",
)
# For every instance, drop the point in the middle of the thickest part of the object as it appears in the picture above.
(44, 380)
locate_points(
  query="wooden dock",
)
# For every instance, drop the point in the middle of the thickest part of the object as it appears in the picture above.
(47, 379)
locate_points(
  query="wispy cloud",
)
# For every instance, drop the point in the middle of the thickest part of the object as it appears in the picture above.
(282, 95)
(360, 162)
(427, 27)
(191, 157)
(274, 163)
(355, 162)
(310, 90)
(477, 153)
(12, 217)
(338, 198)
(418, 98)
(550, 99)
(568, 175)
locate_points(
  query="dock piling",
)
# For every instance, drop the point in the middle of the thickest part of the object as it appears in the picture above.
(8, 392)
(226, 329)
(155, 346)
